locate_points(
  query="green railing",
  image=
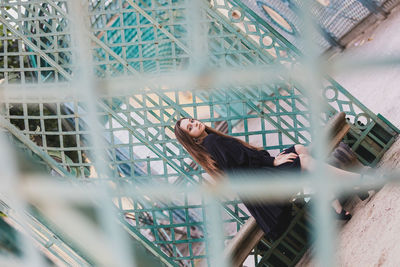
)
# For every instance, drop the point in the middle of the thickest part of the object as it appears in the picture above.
(134, 38)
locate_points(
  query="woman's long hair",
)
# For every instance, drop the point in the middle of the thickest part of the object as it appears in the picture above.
(199, 153)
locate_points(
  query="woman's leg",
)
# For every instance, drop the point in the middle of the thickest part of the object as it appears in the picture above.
(307, 163)
(300, 149)
(337, 206)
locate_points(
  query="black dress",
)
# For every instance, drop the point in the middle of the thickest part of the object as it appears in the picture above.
(231, 156)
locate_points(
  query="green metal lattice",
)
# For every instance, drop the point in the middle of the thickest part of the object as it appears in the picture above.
(130, 38)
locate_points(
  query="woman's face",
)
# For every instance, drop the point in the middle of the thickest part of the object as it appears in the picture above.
(193, 127)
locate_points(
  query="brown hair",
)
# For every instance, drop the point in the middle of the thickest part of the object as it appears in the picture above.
(199, 153)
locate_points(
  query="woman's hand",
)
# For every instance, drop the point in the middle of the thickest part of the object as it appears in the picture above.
(283, 158)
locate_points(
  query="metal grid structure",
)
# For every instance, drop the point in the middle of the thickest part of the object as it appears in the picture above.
(154, 62)
(334, 18)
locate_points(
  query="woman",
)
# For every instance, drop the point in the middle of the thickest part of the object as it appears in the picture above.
(218, 153)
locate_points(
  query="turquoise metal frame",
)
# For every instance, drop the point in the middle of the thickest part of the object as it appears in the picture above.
(132, 38)
(334, 18)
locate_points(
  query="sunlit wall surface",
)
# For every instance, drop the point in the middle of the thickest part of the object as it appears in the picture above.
(90, 92)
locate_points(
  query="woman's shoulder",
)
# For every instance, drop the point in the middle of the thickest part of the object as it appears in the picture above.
(211, 138)
(216, 140)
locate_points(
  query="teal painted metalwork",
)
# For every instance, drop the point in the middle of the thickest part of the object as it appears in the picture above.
(31, 157)
(335, 18)
(132, 38)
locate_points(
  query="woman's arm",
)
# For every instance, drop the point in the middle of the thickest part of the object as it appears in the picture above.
(283, 158)
(234, 154)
